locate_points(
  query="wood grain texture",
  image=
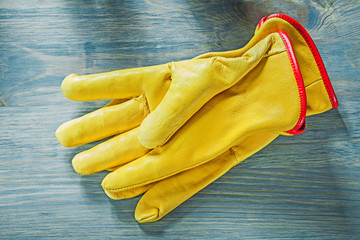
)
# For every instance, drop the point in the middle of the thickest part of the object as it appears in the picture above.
(303, 187)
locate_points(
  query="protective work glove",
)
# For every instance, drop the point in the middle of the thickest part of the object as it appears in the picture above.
(167, 194)
(185, 180)
(260, 91)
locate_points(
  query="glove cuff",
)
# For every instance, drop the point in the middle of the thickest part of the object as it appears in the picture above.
(324, 76)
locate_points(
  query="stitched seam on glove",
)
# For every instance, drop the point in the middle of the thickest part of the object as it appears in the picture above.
(144, 103)
(319, 80)
(237, 161)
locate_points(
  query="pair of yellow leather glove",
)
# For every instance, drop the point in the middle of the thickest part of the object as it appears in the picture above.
(179, 126)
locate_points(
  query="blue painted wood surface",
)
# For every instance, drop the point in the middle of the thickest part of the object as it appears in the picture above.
(303, 187)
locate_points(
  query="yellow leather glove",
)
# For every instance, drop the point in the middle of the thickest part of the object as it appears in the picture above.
(167, 194)
(261, 91)
(180, 196)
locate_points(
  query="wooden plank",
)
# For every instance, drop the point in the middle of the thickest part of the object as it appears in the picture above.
(306, 186)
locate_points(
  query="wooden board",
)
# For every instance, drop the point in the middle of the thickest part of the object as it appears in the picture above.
(306, 186)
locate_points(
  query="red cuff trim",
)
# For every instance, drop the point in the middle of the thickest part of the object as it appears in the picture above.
(314, 50)
(300, 126)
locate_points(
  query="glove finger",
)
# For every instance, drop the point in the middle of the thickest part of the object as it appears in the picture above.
(167, 194)
(107, 121)
(112, 85)
(117, 151)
